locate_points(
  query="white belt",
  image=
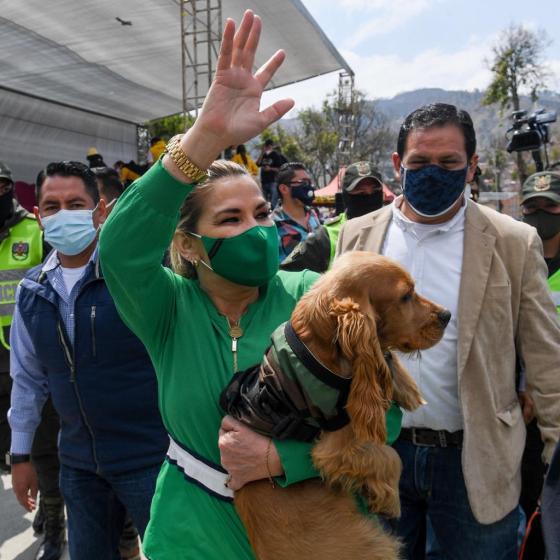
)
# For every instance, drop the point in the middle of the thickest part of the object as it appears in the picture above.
(210, 477)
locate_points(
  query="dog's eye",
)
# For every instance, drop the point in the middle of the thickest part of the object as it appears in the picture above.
(406, 297)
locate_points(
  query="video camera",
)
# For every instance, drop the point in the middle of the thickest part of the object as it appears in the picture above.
(530, 132)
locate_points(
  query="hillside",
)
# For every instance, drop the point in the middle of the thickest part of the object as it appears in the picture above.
(488, 121)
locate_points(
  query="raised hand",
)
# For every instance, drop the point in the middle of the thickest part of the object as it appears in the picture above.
(231, 112)
(232, 106)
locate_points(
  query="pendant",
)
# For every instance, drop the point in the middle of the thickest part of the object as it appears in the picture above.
(235, 331)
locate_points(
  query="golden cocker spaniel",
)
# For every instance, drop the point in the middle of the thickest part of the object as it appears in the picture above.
(362, 309)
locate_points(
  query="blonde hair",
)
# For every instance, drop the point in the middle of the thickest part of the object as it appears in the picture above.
(193, 206)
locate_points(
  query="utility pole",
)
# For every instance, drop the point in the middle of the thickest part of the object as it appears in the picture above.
(346, 118)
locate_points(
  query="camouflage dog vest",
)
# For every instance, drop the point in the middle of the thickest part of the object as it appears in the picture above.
(290, 394)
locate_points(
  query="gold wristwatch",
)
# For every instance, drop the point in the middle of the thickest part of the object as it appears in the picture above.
(176, 153)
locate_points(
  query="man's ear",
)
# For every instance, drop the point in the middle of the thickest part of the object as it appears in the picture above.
(101, 211)
(38, 217)
(283, 189)
(396, 165)
(472, 168)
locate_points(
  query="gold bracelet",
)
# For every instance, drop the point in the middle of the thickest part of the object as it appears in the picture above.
(176, 153)
(270, 477)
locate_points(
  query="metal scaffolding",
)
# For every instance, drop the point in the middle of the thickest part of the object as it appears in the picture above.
(142, 144)
(346, 118)
(201, 28)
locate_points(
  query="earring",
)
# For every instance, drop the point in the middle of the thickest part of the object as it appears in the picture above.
(194, 262)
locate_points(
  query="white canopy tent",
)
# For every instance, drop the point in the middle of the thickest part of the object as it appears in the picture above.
(68, 69)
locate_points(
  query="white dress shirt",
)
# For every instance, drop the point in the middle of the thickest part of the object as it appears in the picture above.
(433, 255)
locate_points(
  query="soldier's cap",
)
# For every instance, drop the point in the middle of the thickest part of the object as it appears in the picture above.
(5, 172)
(358, 172)
(544, 183)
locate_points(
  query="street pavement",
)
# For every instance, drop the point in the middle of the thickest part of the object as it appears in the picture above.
(17, 540)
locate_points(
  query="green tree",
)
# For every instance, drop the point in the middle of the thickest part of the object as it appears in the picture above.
(517, 67)
(287, 142)
(316, 137)
(168, 127)
(373, 139)
(313, 144)
(318, 140)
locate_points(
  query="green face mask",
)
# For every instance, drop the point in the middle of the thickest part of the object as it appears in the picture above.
(249, 259)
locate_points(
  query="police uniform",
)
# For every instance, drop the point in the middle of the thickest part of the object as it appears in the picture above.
(21, 248)
(544, 184)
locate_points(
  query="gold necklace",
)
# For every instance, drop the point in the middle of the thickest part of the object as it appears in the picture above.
(235, 332)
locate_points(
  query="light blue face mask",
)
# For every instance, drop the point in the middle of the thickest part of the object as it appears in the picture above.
(70, 231)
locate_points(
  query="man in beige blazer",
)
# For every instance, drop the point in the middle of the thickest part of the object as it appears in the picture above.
(462, 451)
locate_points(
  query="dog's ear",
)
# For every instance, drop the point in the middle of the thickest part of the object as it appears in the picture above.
(371, 388)
(313, 310)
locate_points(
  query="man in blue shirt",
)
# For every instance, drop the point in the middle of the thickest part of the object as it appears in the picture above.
(294, 217)
(68, 339)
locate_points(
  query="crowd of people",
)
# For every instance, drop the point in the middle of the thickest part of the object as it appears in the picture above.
(122, 322)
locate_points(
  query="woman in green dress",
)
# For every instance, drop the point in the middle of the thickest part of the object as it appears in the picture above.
(200, 330)
(214, 314)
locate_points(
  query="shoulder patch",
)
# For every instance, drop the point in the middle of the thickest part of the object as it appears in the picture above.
(20, 250)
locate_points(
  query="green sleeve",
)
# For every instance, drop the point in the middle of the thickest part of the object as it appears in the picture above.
(295, 457)
(309, 278)
(132, 247)
(393, 420)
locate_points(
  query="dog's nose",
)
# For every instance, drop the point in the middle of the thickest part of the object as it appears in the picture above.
(444, 317)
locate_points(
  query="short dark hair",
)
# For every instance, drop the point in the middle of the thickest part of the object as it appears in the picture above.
(268, 142)
(111, 186)
(286, 173)
(71, 169)
(288, 170)
(154, 140)
(438, 114)
(39, 180)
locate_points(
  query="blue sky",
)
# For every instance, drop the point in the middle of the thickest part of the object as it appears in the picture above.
(400, 45)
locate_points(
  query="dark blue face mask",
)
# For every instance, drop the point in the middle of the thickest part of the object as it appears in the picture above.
(431, 190)
(303, 191)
